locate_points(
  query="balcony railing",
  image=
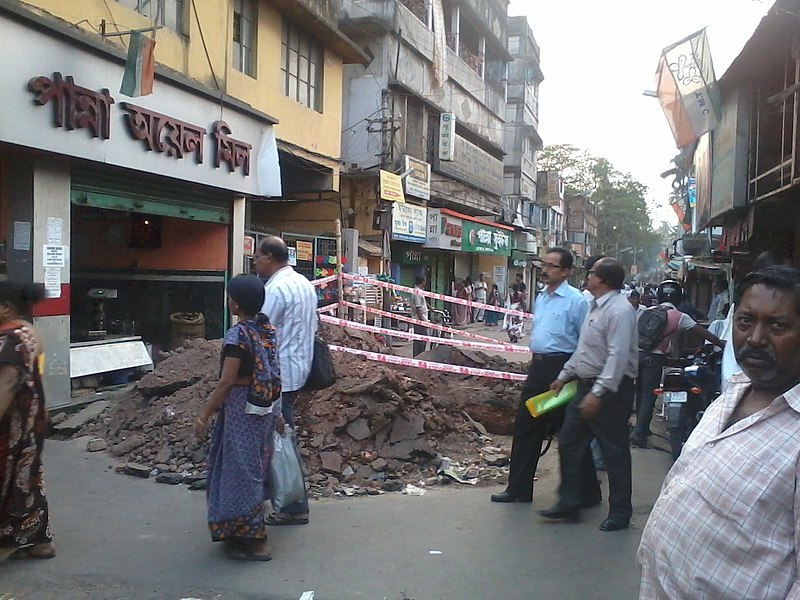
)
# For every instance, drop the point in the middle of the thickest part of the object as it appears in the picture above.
(474, 61)
(419, 8)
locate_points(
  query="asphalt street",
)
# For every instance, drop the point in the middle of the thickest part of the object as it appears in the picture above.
(121, 538)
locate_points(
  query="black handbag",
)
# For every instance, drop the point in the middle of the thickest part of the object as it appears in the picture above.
(322, 374)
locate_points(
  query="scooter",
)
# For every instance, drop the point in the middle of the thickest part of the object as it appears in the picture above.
(688, 386)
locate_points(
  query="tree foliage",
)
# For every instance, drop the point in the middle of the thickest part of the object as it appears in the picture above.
(623, 219)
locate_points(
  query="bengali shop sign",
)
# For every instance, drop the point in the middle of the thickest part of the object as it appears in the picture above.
(484, 239)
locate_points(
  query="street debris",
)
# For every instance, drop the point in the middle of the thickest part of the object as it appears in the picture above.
(378, 429)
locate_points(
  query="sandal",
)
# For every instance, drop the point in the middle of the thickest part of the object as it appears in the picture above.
(282, 518)
(39, 551)
(248, 552)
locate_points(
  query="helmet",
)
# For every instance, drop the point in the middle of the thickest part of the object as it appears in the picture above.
(669, 291)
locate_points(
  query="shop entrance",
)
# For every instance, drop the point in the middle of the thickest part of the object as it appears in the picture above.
(137, 261)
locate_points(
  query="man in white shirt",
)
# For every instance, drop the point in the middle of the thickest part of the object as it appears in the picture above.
(419, 306)
(291, 305)
(479, 291)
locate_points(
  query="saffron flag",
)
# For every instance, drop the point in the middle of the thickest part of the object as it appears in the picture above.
(687, 88)
(139, 66)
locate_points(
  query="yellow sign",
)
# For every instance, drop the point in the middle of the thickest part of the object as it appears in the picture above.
(305, 250)
(391, 187)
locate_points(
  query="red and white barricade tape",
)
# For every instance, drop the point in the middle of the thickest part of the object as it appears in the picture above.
(434, 295)
(429, 325)
(324, 280)
(499, 346)
(433, 366)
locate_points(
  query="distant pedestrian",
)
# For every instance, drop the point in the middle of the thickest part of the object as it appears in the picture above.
(24, 514)
(419, 307)
(291, 305)
(479, 293)
(604, 365)
(558, 315)
(493, 317)
(648, 297)
(523, 291)
(469, 292)
(460, 311)
(246, 402)
(635, 299)
(719, 300)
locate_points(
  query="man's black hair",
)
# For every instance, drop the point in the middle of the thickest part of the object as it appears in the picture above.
(420, 280)
(566, 260)
(782, 278)
(589, 262)
(610, 272)
(276, 247)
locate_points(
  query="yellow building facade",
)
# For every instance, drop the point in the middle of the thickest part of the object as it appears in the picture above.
(197, 40)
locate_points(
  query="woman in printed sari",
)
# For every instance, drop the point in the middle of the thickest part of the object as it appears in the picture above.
(24, 517)
(461, 314)
(246, 401)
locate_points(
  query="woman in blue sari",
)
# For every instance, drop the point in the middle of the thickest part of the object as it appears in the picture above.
(246, 401)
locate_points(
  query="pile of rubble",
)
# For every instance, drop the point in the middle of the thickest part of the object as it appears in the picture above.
(379, 428)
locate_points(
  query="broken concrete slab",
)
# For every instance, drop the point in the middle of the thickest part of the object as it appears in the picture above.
(73, 423)
(96, 445)
(331, 461)
(169, 478)
(128, 445)
(407, 427)
(136, 470)
(358, 429)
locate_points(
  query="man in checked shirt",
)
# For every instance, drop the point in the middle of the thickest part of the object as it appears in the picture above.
(727, 521)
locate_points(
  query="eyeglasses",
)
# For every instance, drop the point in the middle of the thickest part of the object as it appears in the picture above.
(546, 265)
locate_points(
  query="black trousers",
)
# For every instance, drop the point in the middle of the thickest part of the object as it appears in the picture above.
(419, 346)
(610, 427)
(530, 433)
(650, 367)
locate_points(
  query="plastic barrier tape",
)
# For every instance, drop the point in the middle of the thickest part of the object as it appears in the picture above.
(432, 366)
(434, 295)
(427, 324)
(427, 338)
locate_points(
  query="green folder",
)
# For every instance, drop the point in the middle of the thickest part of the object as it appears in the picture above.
(538, 405)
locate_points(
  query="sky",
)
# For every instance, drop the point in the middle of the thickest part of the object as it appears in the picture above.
(599, 56)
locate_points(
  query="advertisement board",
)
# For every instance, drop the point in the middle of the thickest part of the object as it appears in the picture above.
(444, 231)
(409, 222)
(418, 182)
(391, 187)
(447, 133)
(484, 239)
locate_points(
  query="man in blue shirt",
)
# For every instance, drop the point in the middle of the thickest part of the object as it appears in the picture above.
(558, 315)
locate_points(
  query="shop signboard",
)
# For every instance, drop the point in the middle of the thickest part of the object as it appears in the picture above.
(409, 222)
(447, 134)
(59, 100)
(305, 250)
(473, 166)
(391, 187)
(729, 143)
(249, 245)
(485, 239)
(444, 231)
(418, 181)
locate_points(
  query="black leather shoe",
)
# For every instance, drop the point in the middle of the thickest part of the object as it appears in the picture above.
(559, 514)
(638, 442)
(510, 497)
(613, 524)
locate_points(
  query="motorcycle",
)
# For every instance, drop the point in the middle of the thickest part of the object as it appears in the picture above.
(688, 386)
(441, 317)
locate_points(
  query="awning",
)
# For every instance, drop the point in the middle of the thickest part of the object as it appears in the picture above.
(453, 213)
(369, 249)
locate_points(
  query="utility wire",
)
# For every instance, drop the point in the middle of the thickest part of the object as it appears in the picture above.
(205, 47)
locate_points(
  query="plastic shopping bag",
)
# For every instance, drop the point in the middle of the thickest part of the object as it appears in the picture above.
(286, 472)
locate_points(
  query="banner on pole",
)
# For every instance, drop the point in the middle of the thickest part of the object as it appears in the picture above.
(687, 88)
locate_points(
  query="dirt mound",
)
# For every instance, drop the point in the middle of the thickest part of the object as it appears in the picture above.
(378, 428)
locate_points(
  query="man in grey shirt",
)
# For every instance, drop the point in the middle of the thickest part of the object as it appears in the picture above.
(419, 307)
(605, 365)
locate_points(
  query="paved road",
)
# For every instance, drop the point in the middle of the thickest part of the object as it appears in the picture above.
(122, 538)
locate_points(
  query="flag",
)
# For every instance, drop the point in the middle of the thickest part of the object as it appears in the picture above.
(687, 88)
(139, 66)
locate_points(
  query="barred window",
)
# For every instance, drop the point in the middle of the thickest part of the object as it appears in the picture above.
(167, 13)
(245, 21)
(301, 67)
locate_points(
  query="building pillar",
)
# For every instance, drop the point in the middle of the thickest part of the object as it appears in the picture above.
(239, 210)
(38, 250)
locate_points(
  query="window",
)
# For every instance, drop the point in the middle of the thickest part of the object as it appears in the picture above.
(513, 44)
(167, 13)
(301, 60)
(244, 36)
